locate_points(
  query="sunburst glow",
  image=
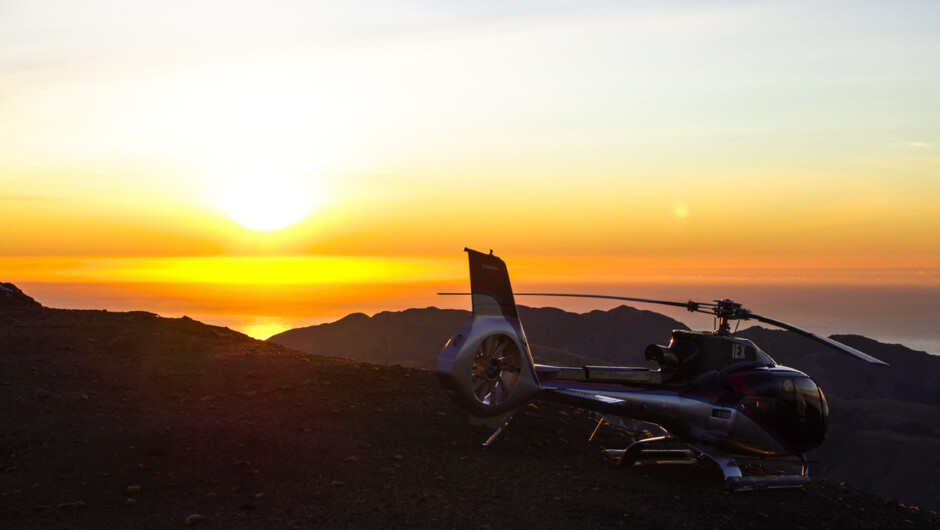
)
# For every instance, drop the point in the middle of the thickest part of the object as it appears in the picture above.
(261, 203)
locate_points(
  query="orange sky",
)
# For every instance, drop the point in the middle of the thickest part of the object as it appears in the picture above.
(616, 143)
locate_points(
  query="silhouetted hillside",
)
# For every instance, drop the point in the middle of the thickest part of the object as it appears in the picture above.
(11, 297)
(129, 420)
(415, 337)
(111, 420)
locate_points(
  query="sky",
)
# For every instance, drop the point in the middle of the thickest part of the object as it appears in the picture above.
(342, 154)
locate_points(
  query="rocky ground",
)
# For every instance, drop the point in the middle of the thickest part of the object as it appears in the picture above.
(131, 420)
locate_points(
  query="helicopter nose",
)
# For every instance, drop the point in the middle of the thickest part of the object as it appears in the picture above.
(804, 412)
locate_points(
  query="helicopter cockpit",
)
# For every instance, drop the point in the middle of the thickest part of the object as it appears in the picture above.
(786, 400)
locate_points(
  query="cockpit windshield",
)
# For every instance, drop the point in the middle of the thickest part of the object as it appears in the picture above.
(792, 404)
(801, 395)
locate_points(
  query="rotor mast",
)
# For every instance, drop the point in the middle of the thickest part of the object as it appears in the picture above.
(726, 311)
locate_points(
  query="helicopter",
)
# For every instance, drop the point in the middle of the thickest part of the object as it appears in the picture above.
(715, 396)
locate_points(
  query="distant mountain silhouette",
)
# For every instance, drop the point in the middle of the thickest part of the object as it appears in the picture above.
(11, 297)
(884, 435)
(415, 337)
(913, 375)
(411, 338)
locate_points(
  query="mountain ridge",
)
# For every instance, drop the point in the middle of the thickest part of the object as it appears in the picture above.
(428, 329)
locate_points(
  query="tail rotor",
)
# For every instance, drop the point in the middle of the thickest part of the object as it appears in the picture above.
(496, 368)
(486, 365)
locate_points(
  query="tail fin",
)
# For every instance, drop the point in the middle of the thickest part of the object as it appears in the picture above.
(486, 365)
(489, 285)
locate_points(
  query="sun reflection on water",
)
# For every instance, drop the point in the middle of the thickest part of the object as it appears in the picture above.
(264, 327)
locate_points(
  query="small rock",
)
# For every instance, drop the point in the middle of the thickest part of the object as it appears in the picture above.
(398, 458)
(440, 478)
(131, 501)
(260, 495)
(336, 484)
(158, 450)
(133, 489)
(350, 459)
(194, 519)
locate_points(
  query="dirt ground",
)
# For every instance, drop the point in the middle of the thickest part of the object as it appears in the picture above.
(134, 421)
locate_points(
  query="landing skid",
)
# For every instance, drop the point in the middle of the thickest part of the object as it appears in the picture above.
(644, 452)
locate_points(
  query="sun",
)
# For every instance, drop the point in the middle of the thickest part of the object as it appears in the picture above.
(266, 203)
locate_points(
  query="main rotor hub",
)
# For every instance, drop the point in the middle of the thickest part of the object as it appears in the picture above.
(727, 310)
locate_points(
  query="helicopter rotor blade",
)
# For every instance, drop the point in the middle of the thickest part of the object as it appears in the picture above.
(690, 305)
(714, 309)
(848, 350)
